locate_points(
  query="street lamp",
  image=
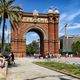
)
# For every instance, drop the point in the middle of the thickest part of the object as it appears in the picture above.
(65, 37)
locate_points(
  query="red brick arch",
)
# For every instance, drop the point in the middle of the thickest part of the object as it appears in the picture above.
(46, 26)
(38, 28)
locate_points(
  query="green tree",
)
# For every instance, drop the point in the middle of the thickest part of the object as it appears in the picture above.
(8, 11)
(76, 47)
(7, 47)
(33, 47)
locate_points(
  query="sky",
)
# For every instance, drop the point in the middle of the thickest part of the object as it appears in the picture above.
(69, 13)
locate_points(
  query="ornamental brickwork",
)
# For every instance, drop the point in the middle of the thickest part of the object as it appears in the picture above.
(46, 25)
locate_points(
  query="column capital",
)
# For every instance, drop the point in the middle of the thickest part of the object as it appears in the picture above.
(56, 18)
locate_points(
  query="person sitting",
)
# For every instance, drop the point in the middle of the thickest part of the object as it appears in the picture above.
(2, 61)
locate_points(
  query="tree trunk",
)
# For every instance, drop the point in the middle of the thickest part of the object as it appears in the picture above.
(3, 28)
(3, 33)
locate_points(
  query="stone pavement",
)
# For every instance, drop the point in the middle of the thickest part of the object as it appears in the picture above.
(24, 69)
(3, 72)
(68, 60)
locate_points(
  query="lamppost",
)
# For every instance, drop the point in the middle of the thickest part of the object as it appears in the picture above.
(65, 37)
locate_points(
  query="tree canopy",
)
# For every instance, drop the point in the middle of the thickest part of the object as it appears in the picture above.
(76, 47)
(8, 11)
(33, 47)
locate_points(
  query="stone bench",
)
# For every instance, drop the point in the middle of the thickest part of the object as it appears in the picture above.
(3, 72)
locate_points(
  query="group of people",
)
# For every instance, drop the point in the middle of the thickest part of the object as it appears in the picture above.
(47, 55)
(9, 59)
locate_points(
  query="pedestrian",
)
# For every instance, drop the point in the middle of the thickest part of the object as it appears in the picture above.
(12, 58)
(2, 61)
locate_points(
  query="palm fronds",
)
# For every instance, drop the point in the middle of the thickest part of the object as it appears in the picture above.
(7, 10)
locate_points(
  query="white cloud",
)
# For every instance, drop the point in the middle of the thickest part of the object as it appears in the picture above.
(28, 42)
(74, 26)
(63, 16)
(69, 18)
(7, 32)
(33, 35)
(61, 34)
(74, 15)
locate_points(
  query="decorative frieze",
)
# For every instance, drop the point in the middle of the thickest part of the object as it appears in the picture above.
(32, 19)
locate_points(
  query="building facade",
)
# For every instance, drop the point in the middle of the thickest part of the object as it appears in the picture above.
(66, 42)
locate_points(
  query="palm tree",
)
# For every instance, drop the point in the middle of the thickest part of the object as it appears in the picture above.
(10, 12)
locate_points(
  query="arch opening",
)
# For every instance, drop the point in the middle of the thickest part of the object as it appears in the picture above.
(39, 41)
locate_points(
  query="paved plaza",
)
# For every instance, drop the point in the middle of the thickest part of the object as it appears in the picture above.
(24, 69)
(68, 60)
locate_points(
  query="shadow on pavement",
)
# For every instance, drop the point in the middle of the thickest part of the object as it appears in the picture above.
(13, 65)
(64, 79)
(58, 76)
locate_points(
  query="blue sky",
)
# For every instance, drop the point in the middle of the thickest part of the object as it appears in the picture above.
(69, 13)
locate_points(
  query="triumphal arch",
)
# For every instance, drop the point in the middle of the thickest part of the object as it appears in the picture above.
(45, 25)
